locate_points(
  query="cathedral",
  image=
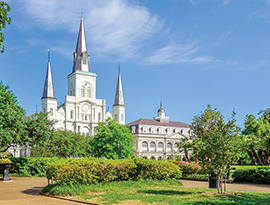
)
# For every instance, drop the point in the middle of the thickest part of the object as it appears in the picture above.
(81, 111)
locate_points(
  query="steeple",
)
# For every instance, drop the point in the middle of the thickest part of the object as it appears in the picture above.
(48, 91)
(81, 57)
(119, 99)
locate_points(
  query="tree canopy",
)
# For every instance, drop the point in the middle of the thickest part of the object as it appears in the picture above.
(217, 142)
(4, 19)
(112, 141)
(12, 120)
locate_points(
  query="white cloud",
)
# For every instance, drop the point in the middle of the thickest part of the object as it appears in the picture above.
(115, 28)
(225, 2)
(178, 53)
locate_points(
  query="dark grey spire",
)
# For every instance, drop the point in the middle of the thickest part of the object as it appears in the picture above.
(119, 99)
(48, 91)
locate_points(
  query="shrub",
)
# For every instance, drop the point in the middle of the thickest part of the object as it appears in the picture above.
(198, 177)
(160, 170)
(188, 168)
(252, 174)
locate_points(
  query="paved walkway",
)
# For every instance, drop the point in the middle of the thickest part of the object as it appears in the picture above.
(26, 190)
(234, 186)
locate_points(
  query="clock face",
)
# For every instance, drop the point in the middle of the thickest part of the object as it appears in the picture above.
(85, 107)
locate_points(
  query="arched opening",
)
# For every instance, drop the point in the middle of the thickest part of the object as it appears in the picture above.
(145, 147)
(153, 158)
(122, 117)
(71, 114)
(160, 147)
(152, 147)
(51, 112)
(115, 117)
(169, 147)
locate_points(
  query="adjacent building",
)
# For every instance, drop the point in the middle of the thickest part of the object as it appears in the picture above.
(158, 138)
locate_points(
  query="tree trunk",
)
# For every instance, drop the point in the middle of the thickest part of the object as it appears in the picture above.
(187, 157)
(256, 157)
(266, 153)
(4, 149)
(260, 153)
(251, 157)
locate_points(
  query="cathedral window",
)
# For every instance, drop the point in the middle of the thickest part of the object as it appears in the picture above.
(82, 93)
(84, 58)
(71, 114)
(160, 147)
(152, 147)
(51, 111)
(145, 147)
(88, 93)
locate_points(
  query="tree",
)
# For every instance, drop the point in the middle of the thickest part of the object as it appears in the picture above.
(69, 144)
(39, 130)
(112, 141)
(4, 18)
(256, 137)
(12, 120)
(185, 145)
(217, 142)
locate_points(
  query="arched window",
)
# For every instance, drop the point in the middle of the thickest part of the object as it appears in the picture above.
(115, 117)
(51, 111)
(122, 117)
(88, 93)
(99, 116)
(152, 147)
(71, 114)
(145, 147)
(142, 129)
(85, 117)
(133, 129)
(160, 147)
(150, 130)
(166, 131)
(176, 147)
(157, 130)
(82, 92)
(181, 131)
(84, 57)
(169, 147)
(173, 130)
(44, 110)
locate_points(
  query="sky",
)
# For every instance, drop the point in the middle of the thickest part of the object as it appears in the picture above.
(187, 53)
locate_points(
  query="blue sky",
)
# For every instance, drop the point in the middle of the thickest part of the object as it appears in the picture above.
(187, 53)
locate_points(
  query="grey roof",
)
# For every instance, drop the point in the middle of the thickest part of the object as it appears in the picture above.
(48, 91)
(158, 123)
(119, 99)
(80, 49)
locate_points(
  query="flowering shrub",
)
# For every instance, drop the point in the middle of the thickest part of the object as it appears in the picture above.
(5, 160)
(188, 168)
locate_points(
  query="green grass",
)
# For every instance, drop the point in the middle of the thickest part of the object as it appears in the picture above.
(155, 192)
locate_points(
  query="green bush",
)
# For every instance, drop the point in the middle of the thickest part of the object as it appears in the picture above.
(159, 170)
(252, 174)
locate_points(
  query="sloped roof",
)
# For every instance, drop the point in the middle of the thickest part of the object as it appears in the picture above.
(158, 123)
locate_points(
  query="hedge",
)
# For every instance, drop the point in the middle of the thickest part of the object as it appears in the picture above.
(84, 171)
(252, 174)
(197, 177)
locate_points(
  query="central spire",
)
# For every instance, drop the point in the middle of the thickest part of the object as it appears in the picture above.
(81, 57)
(48, 91)
(119, 99)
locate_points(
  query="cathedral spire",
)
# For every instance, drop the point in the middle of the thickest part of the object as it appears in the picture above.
(119, 99)
(81, 57)
(48, 91)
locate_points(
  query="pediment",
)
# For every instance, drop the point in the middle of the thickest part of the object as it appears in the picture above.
(177, 135)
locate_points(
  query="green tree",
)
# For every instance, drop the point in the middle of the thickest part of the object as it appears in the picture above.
(12, 120)
(185, 145)
(39, 130)
(69, 144)
(218, 142)
(256, 137)
(112, 141)
(4, 18)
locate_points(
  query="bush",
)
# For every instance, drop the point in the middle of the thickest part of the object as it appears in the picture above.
(85, 171)
(198, 177)
(252, 174)
(160, 170)
(188, 168)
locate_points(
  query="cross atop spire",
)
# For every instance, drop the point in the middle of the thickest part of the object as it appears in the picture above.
(48, 91)
(81, 12)
(49, 55)
(81, 57)
(119, 99)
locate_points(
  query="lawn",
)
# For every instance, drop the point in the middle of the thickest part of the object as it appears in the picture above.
(154, 192)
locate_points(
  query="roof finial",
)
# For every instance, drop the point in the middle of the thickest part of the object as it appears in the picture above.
(49, 56)
(119, 68)
(81, 12)
(160, 103)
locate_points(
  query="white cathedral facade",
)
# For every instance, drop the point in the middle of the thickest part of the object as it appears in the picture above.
(81, 111)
